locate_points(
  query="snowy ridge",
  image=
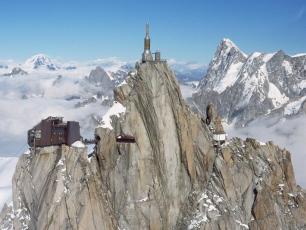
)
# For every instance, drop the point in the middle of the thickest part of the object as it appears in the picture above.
(246, 87)
(299, 55)
(230, 44)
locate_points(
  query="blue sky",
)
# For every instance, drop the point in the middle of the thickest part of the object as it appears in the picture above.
(186, 30)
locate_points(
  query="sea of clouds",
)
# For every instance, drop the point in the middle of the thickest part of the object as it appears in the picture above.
(25, 100)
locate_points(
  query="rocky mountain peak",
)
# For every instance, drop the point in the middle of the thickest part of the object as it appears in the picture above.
(98, 74)
(100, 77)
(228, 46)
(156, 166)
(224, 67)
(280, 55)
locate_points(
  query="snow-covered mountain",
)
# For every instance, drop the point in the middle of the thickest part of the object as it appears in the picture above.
(16, 71)
(261, 95)
(39, 62)
(244, 87)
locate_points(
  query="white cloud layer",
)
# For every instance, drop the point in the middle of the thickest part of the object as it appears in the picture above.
(25, 100)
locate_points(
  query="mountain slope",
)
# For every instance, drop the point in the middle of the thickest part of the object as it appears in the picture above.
(246, 87)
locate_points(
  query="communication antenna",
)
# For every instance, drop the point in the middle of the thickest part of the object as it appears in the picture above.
(147, 29)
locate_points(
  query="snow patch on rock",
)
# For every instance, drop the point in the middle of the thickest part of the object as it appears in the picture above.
(287, 66)
(230, 77)
(27, 152)
(276, 96)
(241, 224)
(78, 144)
(116, 110)
(122, 83)
(267, 57)
(294, 106)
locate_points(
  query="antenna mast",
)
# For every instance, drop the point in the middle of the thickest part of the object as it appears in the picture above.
(147, 29)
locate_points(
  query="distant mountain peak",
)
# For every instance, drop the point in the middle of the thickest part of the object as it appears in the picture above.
(100, 77)
(227, 45)
(228, 42)
(16, 71)
(220, 75)
(40, 61)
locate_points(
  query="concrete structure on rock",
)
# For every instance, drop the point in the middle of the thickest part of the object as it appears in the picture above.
(218, 134)
(213, 120)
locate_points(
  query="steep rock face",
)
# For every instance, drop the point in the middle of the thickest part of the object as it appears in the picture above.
(149, 181)
(246, 87)
(252, 186)
(172, 177)
(54, 188)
